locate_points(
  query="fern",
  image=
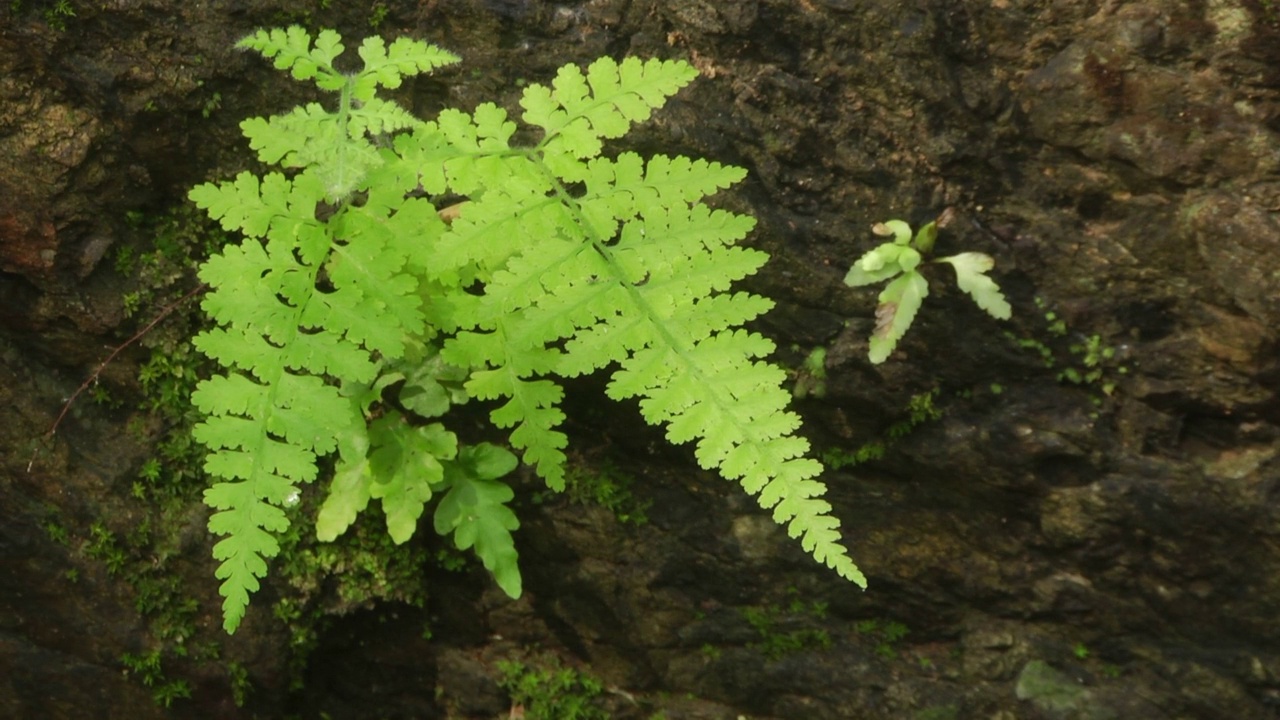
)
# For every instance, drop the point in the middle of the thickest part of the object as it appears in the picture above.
(897, 261)
(353, 316)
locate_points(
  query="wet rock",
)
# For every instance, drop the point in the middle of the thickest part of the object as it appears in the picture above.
(1238, 242)
(1117, 160)
(1053, 692)
(704, 16)
(40, 682)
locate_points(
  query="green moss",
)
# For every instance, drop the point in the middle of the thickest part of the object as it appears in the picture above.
(241, 686)
(811, 377)
(548, 691)
(608, 486)
(378, 15)
(938, 712)
(156, 260)
(920, 409)
(775, 626)
(148, 669)
(1089, 362)
(53, 12)
(56, 531)
(360, 569)
(886, 635)
(1049, 690)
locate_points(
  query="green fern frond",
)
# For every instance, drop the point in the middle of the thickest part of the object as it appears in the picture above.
(350, 285)
(654, 299)
(474, 510)
(265, 431)
(578, 110)
(302, 306)
(291, 50)
(386, 66)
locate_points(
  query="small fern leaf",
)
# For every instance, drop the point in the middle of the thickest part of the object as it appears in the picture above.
(291, 50)
(247, 205)
(406, 463)
(294, 139)
(379, 117)
(869, 270)
(387, 66)
(609, 97)
(476, 157)
(899, 302)
(474, 510)
(533, 410)
(682, 180)
(348, 491)
(971, 269)
(580, 109)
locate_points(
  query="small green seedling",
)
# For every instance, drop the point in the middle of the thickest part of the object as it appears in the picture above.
(898, 261)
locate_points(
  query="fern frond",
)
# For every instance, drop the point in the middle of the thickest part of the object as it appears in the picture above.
(971, 275)
(406, 462)
(475, 511)
(279, 336)
(580, 109)
(899, 302)
(351, 284)
(263, 439)
(654, 300)
(387, 66)
(291, 50)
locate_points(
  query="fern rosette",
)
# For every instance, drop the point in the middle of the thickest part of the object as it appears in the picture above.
(898, 261)
(354, 334)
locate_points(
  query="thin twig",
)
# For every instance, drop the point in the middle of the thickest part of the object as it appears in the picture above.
(93, 378)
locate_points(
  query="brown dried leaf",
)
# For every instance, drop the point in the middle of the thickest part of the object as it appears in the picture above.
(884, 319)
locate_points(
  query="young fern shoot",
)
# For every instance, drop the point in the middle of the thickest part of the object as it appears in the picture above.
(898, 261)
(352, 317)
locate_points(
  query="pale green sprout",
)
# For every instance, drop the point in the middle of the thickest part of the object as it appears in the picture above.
(898, 261)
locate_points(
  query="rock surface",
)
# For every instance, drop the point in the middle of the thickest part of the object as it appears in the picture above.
(1051, 549)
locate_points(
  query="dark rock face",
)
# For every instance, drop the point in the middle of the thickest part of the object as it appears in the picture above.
(1052, 549)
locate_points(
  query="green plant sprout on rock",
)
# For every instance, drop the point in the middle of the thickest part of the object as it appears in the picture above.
(920, 410)
(887, 635)
(549, 691)
(399, 267)
(1097, 367)
(898, 261)
(811, 377)
(774, 626)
